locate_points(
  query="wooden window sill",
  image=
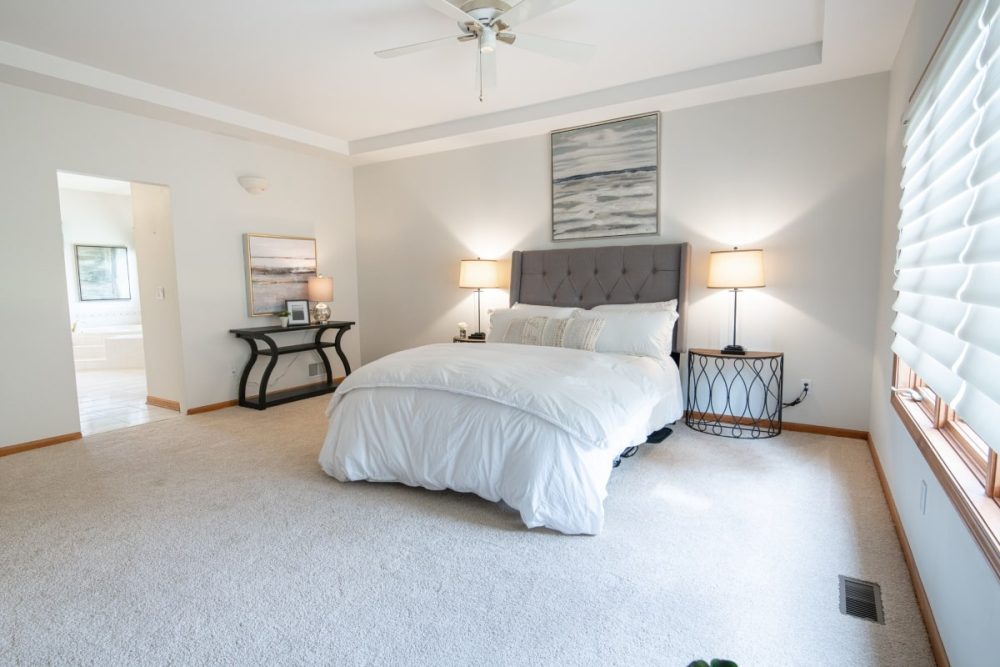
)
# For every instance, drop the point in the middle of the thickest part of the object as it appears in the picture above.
(980, 513)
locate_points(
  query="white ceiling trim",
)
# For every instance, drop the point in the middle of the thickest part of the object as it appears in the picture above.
(40, 71)
(745, 68)
(34, 69)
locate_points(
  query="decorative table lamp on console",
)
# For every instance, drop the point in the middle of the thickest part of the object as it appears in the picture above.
(478, 274)
(735, 270)
(321, 290)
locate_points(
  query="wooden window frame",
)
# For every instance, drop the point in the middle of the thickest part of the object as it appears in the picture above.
(971, 482)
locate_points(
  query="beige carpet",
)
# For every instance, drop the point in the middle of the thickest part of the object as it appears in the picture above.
(217, 540)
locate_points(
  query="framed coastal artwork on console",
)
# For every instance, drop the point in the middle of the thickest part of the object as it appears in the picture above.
(278, 270)
(605, 179)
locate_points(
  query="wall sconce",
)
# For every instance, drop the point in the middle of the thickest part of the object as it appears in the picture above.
(253, 184)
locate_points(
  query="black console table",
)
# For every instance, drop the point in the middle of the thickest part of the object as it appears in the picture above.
(263, 334)
(735, 396)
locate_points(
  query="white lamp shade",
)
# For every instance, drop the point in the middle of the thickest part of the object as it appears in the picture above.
(320, 288)
(478, 274)
(736, 269)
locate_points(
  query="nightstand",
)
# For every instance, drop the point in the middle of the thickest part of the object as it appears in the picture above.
(461, 339)
(735, 396)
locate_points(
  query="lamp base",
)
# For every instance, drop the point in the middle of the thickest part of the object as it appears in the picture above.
(734, 349)
(321, 313)
(479, 335)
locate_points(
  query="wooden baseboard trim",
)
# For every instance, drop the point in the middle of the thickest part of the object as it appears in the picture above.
(163, 403)
(937, 646)
(211, 407)
(37, 444)
(794, 426)
(826, 430)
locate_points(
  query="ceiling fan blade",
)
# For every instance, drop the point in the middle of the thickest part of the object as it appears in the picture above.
(450, 11)
(486, 72)
(547, 46)
(529, 9)
(412, 48)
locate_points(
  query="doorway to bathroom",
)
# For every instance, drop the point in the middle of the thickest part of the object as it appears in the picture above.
(105, 278)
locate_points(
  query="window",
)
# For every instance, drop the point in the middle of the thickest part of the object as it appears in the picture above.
(973, 450)
(947, 324)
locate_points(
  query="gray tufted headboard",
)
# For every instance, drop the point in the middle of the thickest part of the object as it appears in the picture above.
(588, 277)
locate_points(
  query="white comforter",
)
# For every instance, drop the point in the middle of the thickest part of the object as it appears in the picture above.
(536, 427)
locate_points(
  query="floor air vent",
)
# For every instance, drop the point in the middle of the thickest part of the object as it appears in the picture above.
(862, 599)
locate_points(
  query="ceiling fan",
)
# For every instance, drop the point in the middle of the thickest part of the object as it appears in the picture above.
(488, 22)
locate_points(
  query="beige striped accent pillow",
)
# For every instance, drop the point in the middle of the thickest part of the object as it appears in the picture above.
(572, 333)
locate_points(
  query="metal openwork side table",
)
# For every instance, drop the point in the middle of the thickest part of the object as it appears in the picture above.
(735, 396)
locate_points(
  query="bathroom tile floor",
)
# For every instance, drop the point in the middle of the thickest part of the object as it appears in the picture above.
(113, 399)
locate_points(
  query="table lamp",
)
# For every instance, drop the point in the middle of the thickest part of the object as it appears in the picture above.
(321, 290)
(478, 274)
(735, 270)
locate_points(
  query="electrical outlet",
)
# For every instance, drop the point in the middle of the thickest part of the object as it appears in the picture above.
(806, 383)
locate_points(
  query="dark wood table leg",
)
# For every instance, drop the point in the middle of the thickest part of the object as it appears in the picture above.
(326, 359)
(340, 352)
(246, 371)
(262, 397)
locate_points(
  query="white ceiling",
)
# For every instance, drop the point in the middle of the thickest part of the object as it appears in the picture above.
(302, 71)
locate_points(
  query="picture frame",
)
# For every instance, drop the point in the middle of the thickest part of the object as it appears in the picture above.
(298, 311)
(278, 269)
(103, 273)
(606, 178)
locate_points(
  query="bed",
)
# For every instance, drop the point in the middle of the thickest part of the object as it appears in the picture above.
(538, 428)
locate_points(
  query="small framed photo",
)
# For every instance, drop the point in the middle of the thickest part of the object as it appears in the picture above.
(298, 312)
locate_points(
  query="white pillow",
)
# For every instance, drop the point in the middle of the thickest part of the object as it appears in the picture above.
(642, 334)
(555, 312)
(500, 317)
(573, 333)
(638, 307)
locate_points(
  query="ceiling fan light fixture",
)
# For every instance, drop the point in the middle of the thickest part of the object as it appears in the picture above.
(487, 41)
(487, 22)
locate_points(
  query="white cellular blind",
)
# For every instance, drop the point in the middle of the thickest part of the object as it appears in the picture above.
(947, 321)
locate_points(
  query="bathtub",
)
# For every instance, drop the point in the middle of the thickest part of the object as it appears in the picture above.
(110, 346)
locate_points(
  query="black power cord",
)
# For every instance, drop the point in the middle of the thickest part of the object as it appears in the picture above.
(801, 397)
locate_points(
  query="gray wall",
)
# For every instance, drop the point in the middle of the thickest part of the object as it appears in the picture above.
(963, 591)
(798, 173)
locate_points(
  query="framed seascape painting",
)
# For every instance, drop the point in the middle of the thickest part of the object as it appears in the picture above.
(278, 270)
(605, 179)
